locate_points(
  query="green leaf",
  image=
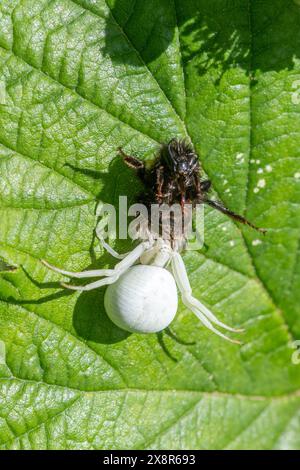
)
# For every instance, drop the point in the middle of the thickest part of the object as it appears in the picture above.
(79, 78)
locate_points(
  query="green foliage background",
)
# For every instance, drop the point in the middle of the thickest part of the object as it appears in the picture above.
(78, 79)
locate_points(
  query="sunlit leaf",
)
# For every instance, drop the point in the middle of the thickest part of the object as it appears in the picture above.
(80, 78)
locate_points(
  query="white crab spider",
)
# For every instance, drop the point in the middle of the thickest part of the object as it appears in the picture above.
(142, 296)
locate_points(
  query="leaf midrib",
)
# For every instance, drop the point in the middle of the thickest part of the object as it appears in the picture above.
(295, 394)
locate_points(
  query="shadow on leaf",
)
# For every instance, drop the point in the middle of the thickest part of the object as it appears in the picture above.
(91, 322)
(214, 34)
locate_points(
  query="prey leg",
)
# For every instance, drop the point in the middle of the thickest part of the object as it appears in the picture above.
(239, 218)
(134, 163)
(159, 184)
(205, 186)
(202, 312)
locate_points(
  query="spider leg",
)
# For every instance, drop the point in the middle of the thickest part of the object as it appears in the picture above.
(107, 247)
(99, 233)
(148, 255)
(125, 263)
(115, 273)
(93, 285)
(202, 312)
(81, 274)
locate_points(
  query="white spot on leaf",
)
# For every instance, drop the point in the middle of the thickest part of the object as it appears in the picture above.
(261, 183)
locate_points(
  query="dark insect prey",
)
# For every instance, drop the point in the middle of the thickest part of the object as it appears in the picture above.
(175, 177)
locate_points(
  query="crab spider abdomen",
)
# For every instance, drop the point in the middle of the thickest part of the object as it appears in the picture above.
(143, 300)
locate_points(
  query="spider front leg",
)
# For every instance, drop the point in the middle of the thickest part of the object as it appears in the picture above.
(107, 247)
(111, 275)
(202, 312)
(99, 230)
(80, 274)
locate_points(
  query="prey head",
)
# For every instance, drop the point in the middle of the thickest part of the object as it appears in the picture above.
(181, 159)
